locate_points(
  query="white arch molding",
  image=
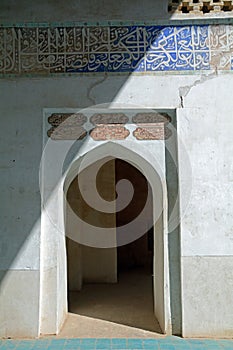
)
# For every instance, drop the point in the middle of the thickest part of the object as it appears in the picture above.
(53, 302)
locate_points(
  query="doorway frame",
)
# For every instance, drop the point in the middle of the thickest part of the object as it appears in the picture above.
(54, 269)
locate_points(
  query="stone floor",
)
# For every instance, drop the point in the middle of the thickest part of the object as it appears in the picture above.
(167, 343)
(121, 310)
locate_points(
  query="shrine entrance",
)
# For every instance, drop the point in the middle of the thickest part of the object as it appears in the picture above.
(116, 284)
(109, 219)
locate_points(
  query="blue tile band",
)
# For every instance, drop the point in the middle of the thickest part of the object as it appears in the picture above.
(167, 343)
(45, 51)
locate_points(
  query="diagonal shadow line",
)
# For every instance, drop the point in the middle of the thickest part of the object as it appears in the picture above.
(21, 226)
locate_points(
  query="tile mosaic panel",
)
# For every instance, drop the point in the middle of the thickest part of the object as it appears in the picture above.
(43, 50)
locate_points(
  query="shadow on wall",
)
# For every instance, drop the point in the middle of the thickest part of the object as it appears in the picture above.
(101, 10)
(21, 211)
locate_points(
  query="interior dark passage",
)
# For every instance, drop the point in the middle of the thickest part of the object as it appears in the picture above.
(137, 255)
(114, 284)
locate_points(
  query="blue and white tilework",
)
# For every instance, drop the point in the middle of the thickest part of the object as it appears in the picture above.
(41, 50)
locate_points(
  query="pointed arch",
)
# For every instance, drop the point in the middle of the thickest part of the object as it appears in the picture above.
(152, 166)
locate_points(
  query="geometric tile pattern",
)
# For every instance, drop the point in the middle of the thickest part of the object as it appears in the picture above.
(42, 51)
(167, 343)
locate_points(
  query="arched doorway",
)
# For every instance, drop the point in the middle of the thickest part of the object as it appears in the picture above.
(55, 230)
(118, 284)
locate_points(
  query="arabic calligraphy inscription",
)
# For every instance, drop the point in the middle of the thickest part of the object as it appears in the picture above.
(49, 50)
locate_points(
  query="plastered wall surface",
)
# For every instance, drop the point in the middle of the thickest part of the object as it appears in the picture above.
(204, 125)
(25, 99)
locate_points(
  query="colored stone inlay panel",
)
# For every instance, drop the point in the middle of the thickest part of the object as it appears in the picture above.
(29, 50)
(108, 126)
(151, 118)
(71, 119)
(109, 132)
(67, 133)
(67, 126)
(152, 132)
(109, 118)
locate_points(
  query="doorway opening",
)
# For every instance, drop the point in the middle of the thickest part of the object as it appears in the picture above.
(112, 288)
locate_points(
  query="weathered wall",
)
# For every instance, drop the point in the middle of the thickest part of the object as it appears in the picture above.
(206, 228)
(204, 123)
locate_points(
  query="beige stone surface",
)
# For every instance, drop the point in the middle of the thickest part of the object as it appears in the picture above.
(117, 310)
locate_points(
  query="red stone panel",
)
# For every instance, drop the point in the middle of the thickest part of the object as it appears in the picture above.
(152, 132)
(109, 132)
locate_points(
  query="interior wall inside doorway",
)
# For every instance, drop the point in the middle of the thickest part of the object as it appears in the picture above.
(101, 265)
(89, 264)
(93, 272)
(139, 253)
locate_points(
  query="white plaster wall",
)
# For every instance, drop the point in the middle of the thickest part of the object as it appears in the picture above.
(205, 125)
(207, 296)
(20, 217)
